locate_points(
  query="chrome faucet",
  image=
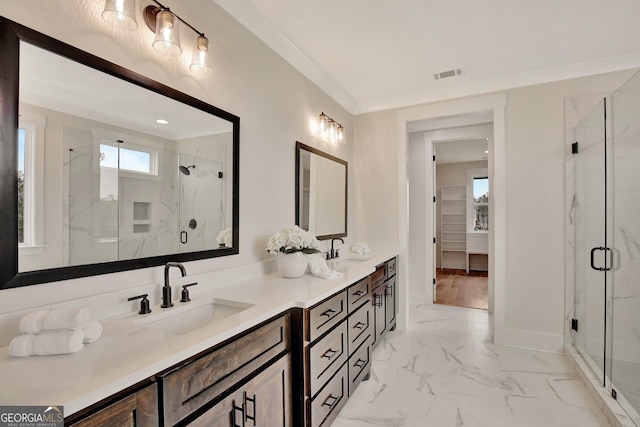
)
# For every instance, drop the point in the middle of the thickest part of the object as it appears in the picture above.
(334, 252)
(166, 289)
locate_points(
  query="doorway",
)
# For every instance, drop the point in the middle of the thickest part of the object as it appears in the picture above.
(461, 219)
(416, 268)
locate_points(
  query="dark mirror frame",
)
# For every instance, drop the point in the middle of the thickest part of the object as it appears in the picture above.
(299, 147)
(11, 33)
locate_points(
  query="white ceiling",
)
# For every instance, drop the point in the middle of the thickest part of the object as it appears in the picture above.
(376, 54)
(88, 93)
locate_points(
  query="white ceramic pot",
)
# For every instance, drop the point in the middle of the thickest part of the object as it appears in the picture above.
(292, 265)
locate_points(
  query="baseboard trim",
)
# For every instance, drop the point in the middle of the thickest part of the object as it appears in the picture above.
(533, 340)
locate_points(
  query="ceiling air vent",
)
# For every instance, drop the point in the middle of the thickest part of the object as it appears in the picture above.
(449, 73)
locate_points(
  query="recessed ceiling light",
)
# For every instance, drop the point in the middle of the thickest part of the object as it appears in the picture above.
(162, 121)
(486, 151)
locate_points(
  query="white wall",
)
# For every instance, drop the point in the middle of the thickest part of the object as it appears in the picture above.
(275, 103)
(534, 185)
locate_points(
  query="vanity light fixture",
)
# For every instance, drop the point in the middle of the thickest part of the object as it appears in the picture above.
(330, 129)
(165, 24)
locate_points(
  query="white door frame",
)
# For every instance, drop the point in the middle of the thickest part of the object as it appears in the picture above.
(497, 170)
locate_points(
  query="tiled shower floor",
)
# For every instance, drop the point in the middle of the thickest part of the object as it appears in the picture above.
(445, 372)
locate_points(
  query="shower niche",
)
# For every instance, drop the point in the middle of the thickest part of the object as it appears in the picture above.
(128, 197)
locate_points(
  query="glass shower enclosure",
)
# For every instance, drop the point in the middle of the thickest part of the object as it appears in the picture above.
(606, 222)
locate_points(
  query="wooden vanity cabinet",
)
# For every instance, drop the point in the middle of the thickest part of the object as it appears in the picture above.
(336, 351)
(138, 408)
(384, 299)
(200, 386)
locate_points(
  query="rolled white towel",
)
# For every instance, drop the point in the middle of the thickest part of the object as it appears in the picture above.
(48, 343)
(360, 248)
(92, 332)
(319, 268)
(54, 320)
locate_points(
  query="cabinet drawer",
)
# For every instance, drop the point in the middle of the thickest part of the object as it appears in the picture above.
(204, 379)
(379, 276)
(359, 326)
(325, 358)
(359, 365)
(325, 315)
(358, 294)
(391, 267)
(328, 403)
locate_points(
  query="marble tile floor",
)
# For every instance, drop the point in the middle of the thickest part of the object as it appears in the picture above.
(446, 372)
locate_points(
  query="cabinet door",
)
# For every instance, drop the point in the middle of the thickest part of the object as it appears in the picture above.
(390, 303)
(137, 409)
(379, 309)
(268, 396)
(227, 413)
(264, 400)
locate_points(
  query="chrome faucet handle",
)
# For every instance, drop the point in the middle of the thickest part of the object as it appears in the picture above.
(185, 292)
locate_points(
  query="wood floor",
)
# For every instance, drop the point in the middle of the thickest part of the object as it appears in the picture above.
(456, 287)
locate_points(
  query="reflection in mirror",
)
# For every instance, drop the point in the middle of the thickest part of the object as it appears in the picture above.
(321, 192)
(115, 171)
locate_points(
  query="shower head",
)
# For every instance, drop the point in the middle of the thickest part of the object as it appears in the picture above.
(185, 169)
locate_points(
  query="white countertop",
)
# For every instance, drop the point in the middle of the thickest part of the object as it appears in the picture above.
(128, 353)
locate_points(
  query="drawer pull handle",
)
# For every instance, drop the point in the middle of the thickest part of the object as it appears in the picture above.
(235, 409)
(359, 293)
(389, 290)
(360, 363)
(377, 300)
(334, 400)
(328, 313)
(360, 325)
(329, 354)
(246, 413)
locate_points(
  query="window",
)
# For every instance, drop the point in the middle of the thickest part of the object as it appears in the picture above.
(480, 204)
(477, 201)
(22, 134)
(30, 182)
(142, 161)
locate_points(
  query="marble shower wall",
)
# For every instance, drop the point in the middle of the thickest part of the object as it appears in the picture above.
(201, 203)
(114, 214)
(625, 301)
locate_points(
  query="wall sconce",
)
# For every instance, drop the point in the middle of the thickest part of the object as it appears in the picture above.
(330, 129)
(164, 23)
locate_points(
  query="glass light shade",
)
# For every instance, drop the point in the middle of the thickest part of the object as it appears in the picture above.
(341, 133)
(323, 121)
(200, 59)
(120, 14)
(333, 129)
(167, 40)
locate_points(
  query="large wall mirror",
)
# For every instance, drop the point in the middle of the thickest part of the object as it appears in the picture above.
(321, 192)
(105, 170)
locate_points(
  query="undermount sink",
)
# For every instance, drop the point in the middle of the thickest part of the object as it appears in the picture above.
(338, 263)
(193, 315)
(350, 260)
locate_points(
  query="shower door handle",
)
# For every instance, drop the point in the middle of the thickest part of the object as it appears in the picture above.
(601, 248)
(184, 237)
